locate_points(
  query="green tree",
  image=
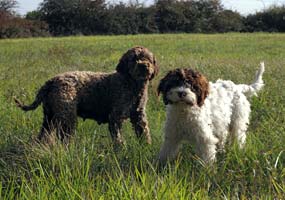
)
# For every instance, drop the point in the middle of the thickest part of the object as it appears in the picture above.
(229, 21)
(170, 16)
(66, 17)
(270, 20)
(33, 15)
(8, 5)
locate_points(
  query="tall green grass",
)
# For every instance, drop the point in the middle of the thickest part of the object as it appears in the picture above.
(88, 168)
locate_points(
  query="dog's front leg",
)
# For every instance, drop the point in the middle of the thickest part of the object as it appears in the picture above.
(139, 119)
(206, 144)
(115, 125)
(168, 150)
(172, 140)
(140, 124)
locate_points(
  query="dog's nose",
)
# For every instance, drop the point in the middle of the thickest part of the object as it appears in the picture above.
(181, 94)
(145, 67)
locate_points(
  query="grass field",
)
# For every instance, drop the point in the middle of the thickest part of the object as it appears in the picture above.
(89, 168)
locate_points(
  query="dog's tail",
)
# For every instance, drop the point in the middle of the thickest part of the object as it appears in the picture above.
(32, 106)
(257, 85)
(38, 100)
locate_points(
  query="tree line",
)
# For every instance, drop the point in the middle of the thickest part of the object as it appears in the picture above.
(90, 17)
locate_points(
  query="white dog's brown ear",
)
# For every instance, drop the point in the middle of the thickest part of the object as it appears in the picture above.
(200, 86)
(162, 87)
(204, 90)
(162, 84)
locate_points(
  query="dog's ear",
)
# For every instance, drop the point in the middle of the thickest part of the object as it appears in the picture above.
(162, 84)
(171, 76)
(128, 60)
(201, 86)
(122, 66)
(162, 87)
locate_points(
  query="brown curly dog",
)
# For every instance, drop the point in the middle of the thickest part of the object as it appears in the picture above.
(105, 97)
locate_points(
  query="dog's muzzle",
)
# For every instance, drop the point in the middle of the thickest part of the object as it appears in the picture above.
(145, 68)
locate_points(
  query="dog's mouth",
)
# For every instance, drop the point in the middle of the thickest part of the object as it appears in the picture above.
(183, 99)
(181, 102)
(178, 96)
(188, 103)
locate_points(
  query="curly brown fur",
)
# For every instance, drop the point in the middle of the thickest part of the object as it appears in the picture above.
(105, 97)
(199, 83)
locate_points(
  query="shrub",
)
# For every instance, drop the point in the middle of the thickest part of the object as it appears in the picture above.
(229, 21)
(270, 20)
(16, 27)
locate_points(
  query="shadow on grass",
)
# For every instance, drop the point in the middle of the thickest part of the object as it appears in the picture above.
(13, 165)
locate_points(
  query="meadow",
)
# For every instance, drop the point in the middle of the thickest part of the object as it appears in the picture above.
(88, 168)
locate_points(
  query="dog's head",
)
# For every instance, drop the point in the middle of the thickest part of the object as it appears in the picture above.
(139, 63)
(184, 85)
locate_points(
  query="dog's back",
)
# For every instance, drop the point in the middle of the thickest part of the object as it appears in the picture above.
(228, 105)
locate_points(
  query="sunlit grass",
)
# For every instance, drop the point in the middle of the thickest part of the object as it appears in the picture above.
(88, 168)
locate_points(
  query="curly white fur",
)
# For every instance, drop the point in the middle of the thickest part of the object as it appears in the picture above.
(224, 114)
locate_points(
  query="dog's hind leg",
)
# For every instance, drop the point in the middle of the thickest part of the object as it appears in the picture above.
(115, 126)
(61, 121)
(238, 133)
(65, 127)
(240, 121)
(65, 122)
(46, 129)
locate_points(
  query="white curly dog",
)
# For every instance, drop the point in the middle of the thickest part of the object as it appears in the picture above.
(204, 113)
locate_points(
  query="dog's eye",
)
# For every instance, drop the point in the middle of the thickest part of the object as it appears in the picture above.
(188, 85)
(195, 88)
